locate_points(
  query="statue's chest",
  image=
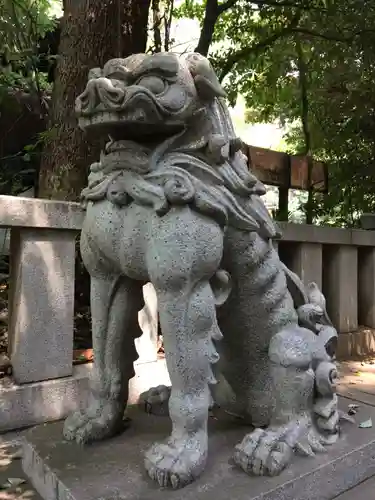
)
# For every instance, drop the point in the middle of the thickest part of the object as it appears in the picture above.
(119, 235)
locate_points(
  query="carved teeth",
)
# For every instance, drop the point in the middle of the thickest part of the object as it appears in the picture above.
(139, 114)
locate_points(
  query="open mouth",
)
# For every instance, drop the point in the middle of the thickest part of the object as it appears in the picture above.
(123, 138)
(119, 128)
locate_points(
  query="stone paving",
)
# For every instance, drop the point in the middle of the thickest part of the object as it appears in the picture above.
(365, 491)
(10, 467)
(357, 384)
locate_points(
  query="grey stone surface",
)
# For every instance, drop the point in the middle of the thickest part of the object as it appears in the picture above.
(32, 404)
(41, 304)
(5, 232)
(366, 287)
(60, 470)
(340, 285)
(32, 212)
(172, 202)
(306, 233)
(364, 491)
(306, 260)
(368, 222)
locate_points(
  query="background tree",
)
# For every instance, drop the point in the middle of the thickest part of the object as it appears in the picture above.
(24, 91)
(307, 63)
(91, 33)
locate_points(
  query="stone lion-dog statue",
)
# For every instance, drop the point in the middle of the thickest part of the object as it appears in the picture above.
(172, 202)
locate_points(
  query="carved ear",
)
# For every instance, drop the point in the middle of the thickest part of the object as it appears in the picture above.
(205, 79)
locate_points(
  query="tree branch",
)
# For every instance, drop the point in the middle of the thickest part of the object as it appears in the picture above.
(212, 13)
(236, 57)
(207, 31)
(332, 38)
(275, 3)
(167, 24)
(157, 19)
(226, 6)
(303, 85)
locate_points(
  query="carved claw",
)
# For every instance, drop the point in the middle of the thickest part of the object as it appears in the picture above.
(73, 423)
(101, 420)
(311, 444)
(177, 462)
(268, 452)
(263, 453)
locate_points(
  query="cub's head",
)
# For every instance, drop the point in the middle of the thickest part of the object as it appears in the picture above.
(146, 96)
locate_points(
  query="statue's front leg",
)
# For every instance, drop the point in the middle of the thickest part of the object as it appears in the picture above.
(115, 302)
(185, 252)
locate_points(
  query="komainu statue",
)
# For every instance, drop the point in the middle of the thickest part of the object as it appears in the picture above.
(172, 202)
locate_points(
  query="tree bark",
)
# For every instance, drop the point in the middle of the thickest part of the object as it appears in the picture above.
(303, 84)
(93, 31)
(207, 32)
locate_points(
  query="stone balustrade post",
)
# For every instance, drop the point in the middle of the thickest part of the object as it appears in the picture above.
(306, 260)
(340, 286)
(366, 277)
(41, 296)
(41, 303)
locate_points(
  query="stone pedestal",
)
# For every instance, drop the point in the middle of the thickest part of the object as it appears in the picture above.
(33, 404)
(41, 303)
(340, 285)
(114, 469)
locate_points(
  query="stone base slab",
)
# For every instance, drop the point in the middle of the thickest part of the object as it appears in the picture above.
(113, 469)
(32, 404)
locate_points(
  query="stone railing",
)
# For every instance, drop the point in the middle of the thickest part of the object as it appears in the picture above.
(342, 263)
(45, 384)
(41, 299)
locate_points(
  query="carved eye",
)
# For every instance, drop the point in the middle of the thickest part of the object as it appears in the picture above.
(117, 75)
(153, 83)
(116, 71)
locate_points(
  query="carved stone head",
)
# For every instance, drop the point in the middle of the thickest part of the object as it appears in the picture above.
(146, 95)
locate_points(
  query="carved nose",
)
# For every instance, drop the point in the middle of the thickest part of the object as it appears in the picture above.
(100, 95)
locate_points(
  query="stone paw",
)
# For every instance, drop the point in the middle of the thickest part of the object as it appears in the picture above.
(99, 421)
(155, 400)
(263, 453)
(73, 422)
(315, 442)
(177, 462)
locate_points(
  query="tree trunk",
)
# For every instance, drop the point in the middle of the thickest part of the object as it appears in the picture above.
(93, 31)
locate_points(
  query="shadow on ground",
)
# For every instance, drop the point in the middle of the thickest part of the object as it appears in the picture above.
(11, 469)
